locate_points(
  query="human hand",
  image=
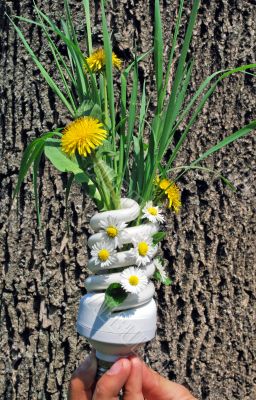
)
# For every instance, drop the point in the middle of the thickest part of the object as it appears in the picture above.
(84, 387)
(137, 380)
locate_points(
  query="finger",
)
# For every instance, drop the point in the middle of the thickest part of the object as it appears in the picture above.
(82, 381)
(155, 386)
(133, 386)
(110, 384)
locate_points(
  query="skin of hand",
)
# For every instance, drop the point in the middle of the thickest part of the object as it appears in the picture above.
(137, 380)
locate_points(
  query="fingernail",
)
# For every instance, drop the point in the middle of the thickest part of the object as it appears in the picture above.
(116, 368)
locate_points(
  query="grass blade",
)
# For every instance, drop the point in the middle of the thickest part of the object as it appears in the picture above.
(43, 71)
(137, 170)
(131, 117)
(88, 25)
(191, 122)
(187, 168)
(57, 56)
(170, 114)
(109, 70)
(29, 21)
(70, 25)
(231, 138)
(202, 103)
(173, 47)
(28, 158)
(77, 60)
(75, 55)
(158, 53)
(224, 74)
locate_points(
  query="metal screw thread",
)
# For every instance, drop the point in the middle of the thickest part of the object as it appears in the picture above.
(103, 366)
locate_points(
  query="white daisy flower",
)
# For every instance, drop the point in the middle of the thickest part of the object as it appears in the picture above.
(113, 231)
(152, 213)
(160, 268)
(103, 254)
(133, 280)
(144, 250)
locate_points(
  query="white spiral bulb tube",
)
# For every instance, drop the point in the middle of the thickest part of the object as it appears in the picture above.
(133, 322)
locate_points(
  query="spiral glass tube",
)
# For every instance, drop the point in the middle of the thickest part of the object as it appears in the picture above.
(133, 322)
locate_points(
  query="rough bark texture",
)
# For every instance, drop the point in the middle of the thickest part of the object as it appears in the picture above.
(206, 332)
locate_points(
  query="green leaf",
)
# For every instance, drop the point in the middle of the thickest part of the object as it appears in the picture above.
(107, 148)
(29, 156)
(96, 112)
(114, 295)
(88, 107)
(159, 278)
(158, 236)
(64, 164)
(84, 108)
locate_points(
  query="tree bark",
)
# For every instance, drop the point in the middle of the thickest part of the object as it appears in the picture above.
(206, 329)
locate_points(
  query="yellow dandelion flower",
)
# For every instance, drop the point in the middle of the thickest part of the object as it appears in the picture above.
(172, 191)
(96, 61)
(83, 135)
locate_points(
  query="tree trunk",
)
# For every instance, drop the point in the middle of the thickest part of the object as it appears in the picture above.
(206, 332)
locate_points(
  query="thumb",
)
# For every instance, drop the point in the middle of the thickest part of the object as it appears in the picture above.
(110, 384)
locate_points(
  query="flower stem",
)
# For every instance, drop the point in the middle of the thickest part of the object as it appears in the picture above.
(107, 120)
(111, 200)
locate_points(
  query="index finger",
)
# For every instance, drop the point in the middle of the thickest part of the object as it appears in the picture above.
(133, 386)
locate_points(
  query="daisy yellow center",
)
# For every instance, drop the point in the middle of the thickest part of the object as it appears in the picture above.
(142, 248)
(152, 210)
(83, 135)
(133, 280)
(112, 231)
(103, 255)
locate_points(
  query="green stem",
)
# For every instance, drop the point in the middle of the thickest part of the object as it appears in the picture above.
(107, 119)
(106, 113)
(111, 200)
